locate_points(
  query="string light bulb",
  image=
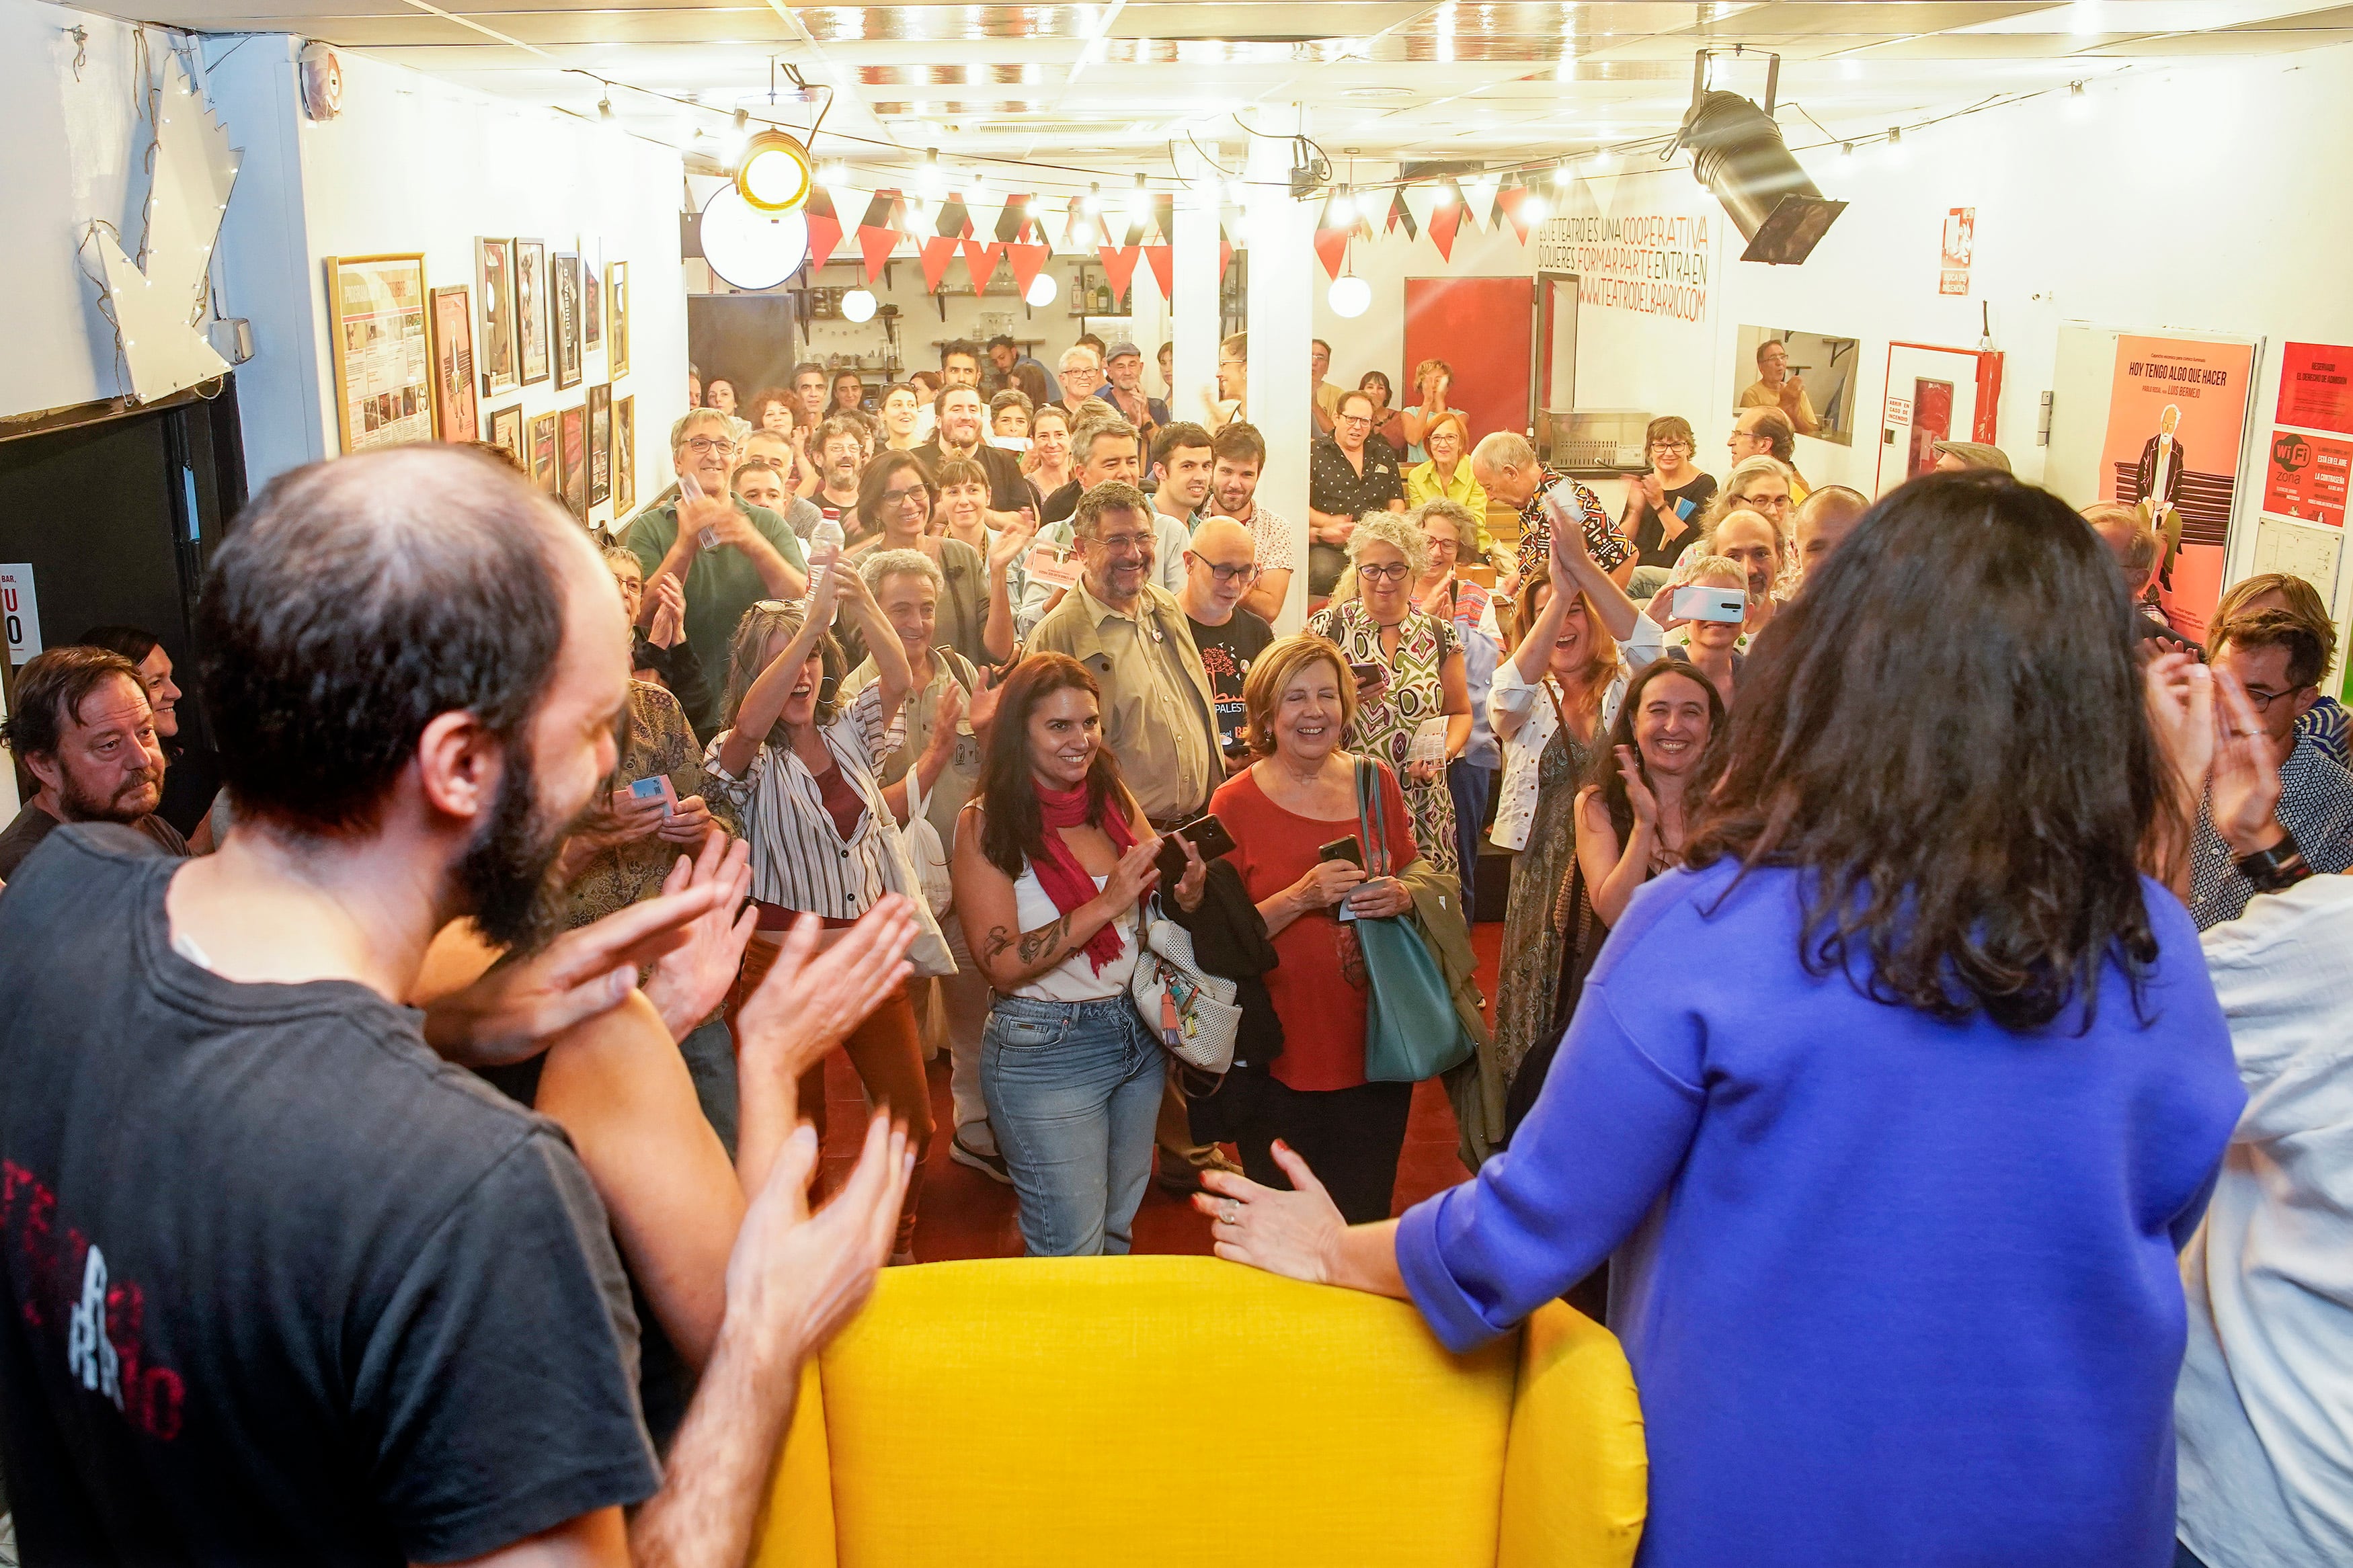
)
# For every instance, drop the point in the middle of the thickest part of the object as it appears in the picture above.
(1562, 174)
(931, 182)
(605, 106)
(1139, 200)
(834, 172)
(1895, 144)
(1341, 211)
(1092, 203)
(1237, 190)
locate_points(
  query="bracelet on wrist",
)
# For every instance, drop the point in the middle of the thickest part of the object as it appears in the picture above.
(2274, 869)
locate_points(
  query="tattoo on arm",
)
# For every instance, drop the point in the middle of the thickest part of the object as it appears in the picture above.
(1037, 944)
(996, 943)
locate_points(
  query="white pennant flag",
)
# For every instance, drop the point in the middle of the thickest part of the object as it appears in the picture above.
(983, 212)
(1421, 201)
(1479, 201)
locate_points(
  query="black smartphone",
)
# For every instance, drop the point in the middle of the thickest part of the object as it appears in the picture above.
(1208, 835)
(1365, 674)
(1347, 850)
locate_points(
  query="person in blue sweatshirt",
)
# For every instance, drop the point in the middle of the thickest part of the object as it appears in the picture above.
(1893, 1107)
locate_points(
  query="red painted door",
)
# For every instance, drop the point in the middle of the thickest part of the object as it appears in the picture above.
(1485, 327)
(1932, 421)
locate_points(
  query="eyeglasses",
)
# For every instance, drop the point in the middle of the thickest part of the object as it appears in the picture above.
(1774, 504)
(775, 606)
(1671, 445)
(1356, 419)
(1246, 573)
(702, 445)
(2263, 699)
(1394, 572)
(1125, 544)
(900, 498)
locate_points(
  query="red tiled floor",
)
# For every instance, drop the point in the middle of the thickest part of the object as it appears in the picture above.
(965, 1214)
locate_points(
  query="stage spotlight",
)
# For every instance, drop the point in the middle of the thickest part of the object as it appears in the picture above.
(1737, 154)
(773, 176)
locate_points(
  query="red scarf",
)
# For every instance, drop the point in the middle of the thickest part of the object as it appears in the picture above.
(1066, 881)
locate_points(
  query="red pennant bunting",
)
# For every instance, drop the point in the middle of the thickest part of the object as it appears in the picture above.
(1331, 245)
(1514, 199)
(1025, 260)
(1442, 224)
(1225, 258)
(1163, 261)
(938, 251)
(980, 259)
(824, 234)
(1119, 265)
(876, 244)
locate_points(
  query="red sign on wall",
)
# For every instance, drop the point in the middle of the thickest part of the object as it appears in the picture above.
(2306, 478)
(2317, 387)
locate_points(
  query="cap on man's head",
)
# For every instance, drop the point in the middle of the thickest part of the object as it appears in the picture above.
(1122, 348)
(1976, 453)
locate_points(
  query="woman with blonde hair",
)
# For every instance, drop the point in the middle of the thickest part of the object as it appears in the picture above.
(1447, 476)
(1410, 672)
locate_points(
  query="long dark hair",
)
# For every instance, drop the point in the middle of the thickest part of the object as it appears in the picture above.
(1013, 830)
(1603, 770)
(1946, 733)
(886, 467)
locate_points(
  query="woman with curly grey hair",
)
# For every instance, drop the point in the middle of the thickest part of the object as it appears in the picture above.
(1407, 665)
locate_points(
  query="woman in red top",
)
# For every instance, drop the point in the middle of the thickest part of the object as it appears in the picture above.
(1299, 795)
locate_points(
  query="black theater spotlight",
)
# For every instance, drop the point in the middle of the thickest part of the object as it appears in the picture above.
(1738, 154)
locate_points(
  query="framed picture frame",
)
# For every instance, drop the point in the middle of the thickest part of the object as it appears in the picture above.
(456, 415)
(616, 319)
(377, 317)
(572, 459)
(600, 442)
(542, 452)
(530, 309)
(563, 269)
(506, 433)
(494, 347)
(625, 458)
(592, 298)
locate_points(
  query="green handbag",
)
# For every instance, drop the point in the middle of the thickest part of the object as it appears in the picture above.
(1411, 1031)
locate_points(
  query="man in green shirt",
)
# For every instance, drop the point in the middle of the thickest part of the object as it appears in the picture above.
(752, 554)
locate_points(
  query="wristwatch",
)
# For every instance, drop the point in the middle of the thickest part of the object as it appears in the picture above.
(2277, 869)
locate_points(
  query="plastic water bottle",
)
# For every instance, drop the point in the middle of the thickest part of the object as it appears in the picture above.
(825, 540)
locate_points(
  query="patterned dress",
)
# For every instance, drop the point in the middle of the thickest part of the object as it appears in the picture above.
(657, 741)
(1384, 727)
(1535, 936)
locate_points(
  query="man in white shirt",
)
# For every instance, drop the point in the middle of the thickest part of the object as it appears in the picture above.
(1237, 458)
(2263, 1413)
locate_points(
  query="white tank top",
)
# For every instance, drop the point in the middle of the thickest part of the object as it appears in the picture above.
(1074, 979)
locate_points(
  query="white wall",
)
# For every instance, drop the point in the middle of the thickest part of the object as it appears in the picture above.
(413, 164)
(72, 157)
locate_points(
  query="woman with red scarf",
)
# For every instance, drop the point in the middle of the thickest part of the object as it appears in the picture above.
(1052, 858)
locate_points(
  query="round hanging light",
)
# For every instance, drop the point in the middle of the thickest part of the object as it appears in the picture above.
(857, 305)
(1041, 290)
(773, 176)
(1351, 296)
(749, 249)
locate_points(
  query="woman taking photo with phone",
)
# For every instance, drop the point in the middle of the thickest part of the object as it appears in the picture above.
(799, 772)
(1301, 855)
(1409, 670)
(1893, 1116)
(1052, 858)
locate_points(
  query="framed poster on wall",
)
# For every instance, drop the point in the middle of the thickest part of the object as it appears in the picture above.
(565, 271)
(617, 308)
(455, 415)
(494, 352)
(592, 290)
(530, 309)
(506, 433)
(600, 442)
(571, 460)
(376, 307)
(542, 452)
(625, 458)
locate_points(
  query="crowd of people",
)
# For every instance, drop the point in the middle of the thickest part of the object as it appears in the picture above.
(1852, 1052)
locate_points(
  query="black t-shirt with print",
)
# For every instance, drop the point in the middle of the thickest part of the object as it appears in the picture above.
(1227, 654)
(277, 1283)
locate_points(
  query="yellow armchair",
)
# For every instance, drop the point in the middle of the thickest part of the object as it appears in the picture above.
(1081, 1412)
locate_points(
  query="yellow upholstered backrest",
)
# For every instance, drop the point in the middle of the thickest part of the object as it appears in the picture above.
(1178, 1410)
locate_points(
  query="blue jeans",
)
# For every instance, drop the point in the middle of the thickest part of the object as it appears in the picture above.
(1074, 1089)
(1470, 783)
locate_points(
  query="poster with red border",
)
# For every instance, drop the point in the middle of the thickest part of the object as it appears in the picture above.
(2317, 387)
(2177, 422)
(2304, 478)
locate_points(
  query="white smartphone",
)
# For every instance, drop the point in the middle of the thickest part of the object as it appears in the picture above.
(1697, 603)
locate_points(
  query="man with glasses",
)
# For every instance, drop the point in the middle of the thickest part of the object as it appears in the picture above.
(1220, 565)
(725, 552)
(1766, 433)
(957, 433)
(1664, 507)
(1083, 380)
(1775, 388)
(1346, 478)
(1505, 467)
(2278, 658)
(839, 457)
(1107, 451)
